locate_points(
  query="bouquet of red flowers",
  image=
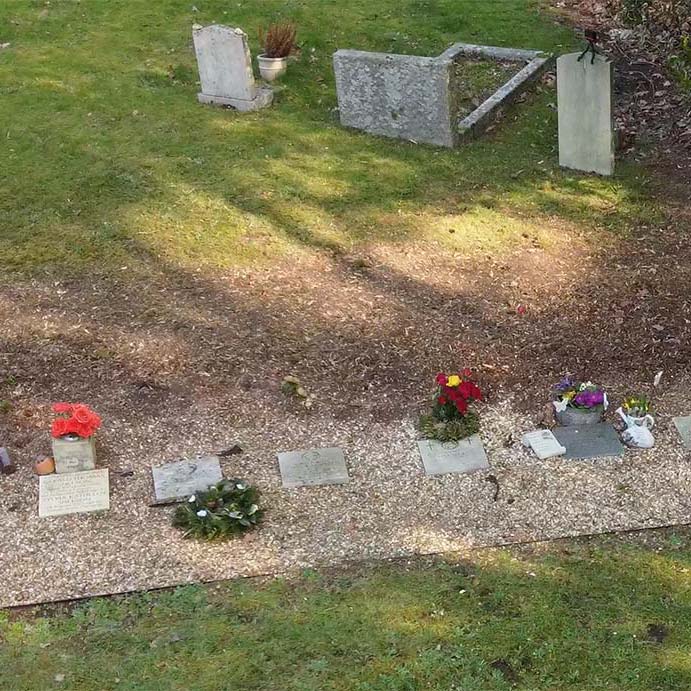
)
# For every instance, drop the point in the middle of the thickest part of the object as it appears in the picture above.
(451, 419)
(81, 420)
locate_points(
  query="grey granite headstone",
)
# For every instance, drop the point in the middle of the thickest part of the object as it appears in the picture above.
(584, 96)
(73, 493)
(683, 425)
(177, 481)
(225, 69)
(313, 467)
(589, 441)
(462, 456)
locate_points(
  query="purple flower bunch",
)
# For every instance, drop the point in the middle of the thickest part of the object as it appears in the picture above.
(577, 394)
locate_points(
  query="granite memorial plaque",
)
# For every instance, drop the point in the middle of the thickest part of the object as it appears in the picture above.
(462, 456)
(683, 425)
(313, 467)
(589, 441)
(177, 481)
(73, 493)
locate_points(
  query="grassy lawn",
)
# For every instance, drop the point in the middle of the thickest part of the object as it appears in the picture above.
(604, 614)
(110, 162)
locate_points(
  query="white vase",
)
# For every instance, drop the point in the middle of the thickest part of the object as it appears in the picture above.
(271, 68)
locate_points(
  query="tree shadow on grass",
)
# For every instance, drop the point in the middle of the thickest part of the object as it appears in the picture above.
(569, 616)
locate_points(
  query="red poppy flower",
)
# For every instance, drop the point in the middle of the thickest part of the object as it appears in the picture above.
(441, 379)
(442, 400)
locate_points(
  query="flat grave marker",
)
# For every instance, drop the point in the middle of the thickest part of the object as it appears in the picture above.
(683, 425)
(68, 493)
(464, 456)
(177, 481)
(589, 441)
(543, 443)
(310, 467)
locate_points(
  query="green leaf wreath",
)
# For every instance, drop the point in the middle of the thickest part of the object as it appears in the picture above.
(221, 512)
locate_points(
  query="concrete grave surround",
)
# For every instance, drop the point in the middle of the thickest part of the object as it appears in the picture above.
(177, 481)
(68, 493)
(589, 441)
(74, 455)
(462, 456)
(313, 467)
(416, 98)
(584, 97)
(683, 425)
(225, 69)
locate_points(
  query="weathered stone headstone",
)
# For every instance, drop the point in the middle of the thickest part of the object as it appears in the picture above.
(584, 96)
(683, 425)
(589, 441)
(225, 69)
(73, 493)
(74, 454)
(177, 481)
(313, 467)
(462, 456)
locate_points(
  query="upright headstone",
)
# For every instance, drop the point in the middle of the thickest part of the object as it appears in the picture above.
(586, 133)
(225, 69)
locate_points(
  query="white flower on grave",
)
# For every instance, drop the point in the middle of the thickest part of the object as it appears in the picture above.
(202, 513)
(192, 499)
(239, 485)
(560, 406)
(235, 514)
(253, 509)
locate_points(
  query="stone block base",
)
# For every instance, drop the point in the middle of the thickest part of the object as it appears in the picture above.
(263, 99)
(74, 456)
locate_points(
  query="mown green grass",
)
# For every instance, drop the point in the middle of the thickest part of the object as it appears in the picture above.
(108, 160)
(575, 617)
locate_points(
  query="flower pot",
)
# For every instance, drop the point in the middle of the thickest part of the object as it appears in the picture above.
(44, 467)
(271, 68)
(73, 454)
(572, 417)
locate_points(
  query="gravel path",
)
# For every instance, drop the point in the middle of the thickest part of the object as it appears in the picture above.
(389, 509)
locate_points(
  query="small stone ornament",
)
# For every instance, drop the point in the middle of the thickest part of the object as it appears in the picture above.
(6, 465)
(637, 433)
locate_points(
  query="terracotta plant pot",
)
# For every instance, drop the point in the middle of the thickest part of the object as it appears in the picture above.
(44, 467)
(572, 417)
(271, 68)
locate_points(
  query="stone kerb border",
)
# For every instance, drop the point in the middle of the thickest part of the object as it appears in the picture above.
(415, 98)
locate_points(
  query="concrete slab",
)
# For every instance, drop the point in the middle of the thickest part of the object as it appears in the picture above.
(313, 467)
(68, 493)
(177, 481)
(589, 441)
(464, 456)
